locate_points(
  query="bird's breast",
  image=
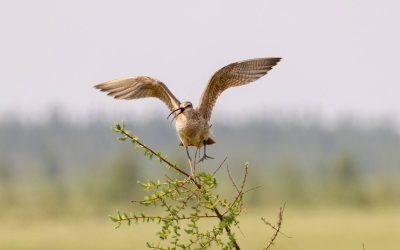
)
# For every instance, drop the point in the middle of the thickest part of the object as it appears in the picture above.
(192, 131)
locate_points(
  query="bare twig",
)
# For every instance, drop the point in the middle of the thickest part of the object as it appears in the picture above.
(230, 177)
(252, 189)
(220, 165)
(277, 228)
(246, 171)
(240, 191)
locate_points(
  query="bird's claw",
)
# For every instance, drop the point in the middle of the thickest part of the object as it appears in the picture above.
(205, 157)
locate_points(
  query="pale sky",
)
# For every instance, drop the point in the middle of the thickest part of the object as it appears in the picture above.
(339, 57)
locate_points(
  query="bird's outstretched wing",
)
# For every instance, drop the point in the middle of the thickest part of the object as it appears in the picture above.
(232, 75)
(139, 87)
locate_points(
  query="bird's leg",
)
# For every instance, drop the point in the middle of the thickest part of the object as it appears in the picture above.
(205, 156)
(195, 159)
(198, 153)
(188, 155)
(190, 161)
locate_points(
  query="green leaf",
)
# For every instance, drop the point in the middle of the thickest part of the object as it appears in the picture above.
(119, 217)
(117, 126)
(113, 218)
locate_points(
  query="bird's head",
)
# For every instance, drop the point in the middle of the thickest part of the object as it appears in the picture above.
(183, 106)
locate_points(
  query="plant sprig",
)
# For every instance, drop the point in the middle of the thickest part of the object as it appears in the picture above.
(184, 203)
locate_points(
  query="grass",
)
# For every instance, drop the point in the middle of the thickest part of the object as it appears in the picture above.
(330, 229)
(322, 228)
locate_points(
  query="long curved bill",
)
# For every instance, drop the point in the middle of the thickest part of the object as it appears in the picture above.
(181, 109)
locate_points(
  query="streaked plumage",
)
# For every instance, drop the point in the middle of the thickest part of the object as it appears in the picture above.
(192, 124)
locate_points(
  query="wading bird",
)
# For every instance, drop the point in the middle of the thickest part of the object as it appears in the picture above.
(192, 124)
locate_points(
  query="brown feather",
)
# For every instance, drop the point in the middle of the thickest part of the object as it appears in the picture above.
(139, 87)
(210, 141)
(233, 75)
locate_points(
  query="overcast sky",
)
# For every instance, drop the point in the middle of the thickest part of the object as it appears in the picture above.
(339, 57)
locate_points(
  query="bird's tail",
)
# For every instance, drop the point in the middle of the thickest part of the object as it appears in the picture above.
(208, 142)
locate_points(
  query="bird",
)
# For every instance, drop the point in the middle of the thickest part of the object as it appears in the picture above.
(192, 123)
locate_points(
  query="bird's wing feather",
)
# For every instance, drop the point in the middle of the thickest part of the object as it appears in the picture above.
(232, 75)
(139, 87)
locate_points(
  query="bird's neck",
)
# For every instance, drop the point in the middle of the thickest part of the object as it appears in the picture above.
(188, 113)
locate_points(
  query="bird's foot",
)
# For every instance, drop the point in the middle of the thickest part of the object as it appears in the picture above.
(205, 157)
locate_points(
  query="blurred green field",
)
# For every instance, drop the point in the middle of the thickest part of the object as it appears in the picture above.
(320, 228)
(340, 185)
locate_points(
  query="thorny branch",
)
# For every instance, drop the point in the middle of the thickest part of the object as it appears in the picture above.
(160, 218)
(158, 155)
(232, 208)
(121, 129)
(164, 194)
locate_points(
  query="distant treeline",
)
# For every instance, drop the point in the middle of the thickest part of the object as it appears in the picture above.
(261, 142)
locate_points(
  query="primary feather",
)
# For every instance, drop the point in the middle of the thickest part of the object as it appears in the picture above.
(139, 87)
(232, 75)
